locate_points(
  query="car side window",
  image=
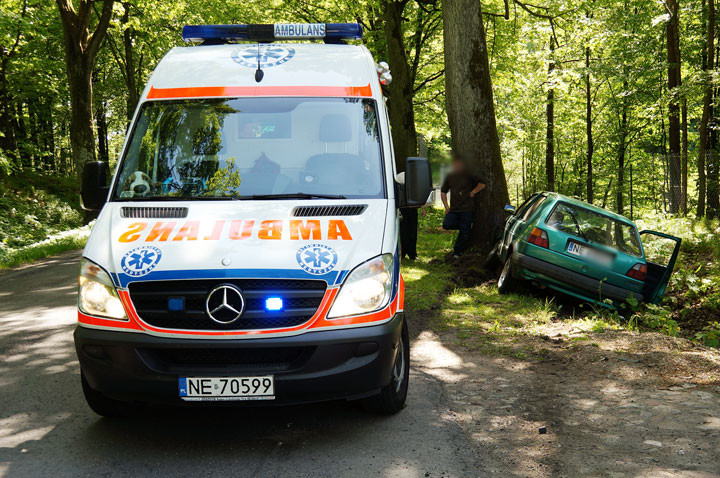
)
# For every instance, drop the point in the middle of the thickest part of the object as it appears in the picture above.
(533, 207)
(524, 206)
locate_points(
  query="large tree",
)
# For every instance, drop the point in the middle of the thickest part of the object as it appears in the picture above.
(707, 112)
(81, 48)
(471, 111)
(400, 92)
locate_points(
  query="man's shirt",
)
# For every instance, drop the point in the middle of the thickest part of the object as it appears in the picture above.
(460, 185)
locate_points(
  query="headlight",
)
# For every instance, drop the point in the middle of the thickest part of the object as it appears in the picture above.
(97, 294)
(366, 289)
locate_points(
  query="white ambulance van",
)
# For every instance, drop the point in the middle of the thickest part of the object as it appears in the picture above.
(246, 248)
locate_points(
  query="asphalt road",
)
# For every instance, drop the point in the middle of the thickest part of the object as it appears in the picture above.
(46, 429)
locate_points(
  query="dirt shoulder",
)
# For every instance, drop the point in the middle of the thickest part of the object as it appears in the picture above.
(615, 404)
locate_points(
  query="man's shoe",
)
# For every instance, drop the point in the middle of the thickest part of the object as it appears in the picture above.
(456, 256)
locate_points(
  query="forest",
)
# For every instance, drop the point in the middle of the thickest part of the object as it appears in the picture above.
(610, 101)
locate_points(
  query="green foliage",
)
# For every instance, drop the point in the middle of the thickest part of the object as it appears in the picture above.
(709, 335)
(34, 207)
(655, 317)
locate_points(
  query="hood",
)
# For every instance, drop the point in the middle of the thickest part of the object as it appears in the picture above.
(141, 241)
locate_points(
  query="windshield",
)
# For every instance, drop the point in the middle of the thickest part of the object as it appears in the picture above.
(595, 227)
(251, 147)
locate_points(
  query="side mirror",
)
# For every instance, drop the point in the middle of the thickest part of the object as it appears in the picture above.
(510, 209)
(94, 186)
(418, 182)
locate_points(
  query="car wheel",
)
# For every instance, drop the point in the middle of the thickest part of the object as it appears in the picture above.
(391, 398)
(506, 282)
(102, 405)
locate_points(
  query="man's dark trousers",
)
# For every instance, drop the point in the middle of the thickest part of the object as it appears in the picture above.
(462, 222)
(409, 231)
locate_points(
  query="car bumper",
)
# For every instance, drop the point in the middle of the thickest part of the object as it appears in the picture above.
(346, 363)
(569, 281)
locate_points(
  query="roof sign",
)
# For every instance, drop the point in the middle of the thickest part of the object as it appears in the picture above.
(330, 32)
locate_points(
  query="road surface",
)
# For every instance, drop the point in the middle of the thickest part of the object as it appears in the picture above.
(46, 429)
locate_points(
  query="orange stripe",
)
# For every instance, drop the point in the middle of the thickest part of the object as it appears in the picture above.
(318, 321)
(232, 91)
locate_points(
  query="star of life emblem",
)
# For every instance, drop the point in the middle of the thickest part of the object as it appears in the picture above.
(317, 259)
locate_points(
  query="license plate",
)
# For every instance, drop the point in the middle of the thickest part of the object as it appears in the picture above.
(589, 253)
(227, 388)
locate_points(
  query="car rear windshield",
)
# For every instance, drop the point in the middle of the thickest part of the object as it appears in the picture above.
(245, 147)
(595, 227)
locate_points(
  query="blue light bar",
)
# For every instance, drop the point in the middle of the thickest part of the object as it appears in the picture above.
(216, 34)
(273, 303)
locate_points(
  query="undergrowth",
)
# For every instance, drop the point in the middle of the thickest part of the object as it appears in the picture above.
(461, 296)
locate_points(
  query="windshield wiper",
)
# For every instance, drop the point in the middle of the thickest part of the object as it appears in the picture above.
(291, 196)
(577, 226)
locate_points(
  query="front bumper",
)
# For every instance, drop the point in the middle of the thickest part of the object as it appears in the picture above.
(568, 281)
(346, 363)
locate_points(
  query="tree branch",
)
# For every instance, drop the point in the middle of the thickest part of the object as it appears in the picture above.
(429, 79)
(100, 29)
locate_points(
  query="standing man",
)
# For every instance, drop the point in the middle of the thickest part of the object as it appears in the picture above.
(459, 214)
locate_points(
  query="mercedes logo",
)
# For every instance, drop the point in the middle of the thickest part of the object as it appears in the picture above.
(225, 304)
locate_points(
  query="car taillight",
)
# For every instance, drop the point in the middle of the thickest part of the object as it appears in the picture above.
(638, 271)
(539, 238)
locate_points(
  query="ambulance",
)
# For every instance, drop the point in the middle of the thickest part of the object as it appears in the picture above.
(246, 248)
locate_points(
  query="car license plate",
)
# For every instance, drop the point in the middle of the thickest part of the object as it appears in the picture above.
(589, 253)
(227, 388)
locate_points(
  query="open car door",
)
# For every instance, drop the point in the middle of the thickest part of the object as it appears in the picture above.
(661, 251)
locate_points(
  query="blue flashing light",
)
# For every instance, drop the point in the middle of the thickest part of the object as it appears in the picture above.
(215, 34)
(273, 303)
(176, 304)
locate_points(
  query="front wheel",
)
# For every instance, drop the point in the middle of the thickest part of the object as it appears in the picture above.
(391, 398)
(506, 282)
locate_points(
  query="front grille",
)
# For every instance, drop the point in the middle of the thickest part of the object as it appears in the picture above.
(154, 212)
(301, 298)
(256, 359)
(343, 210)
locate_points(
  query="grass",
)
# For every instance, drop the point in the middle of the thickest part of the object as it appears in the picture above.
(34, 208)
(461, 297)
(40, 251)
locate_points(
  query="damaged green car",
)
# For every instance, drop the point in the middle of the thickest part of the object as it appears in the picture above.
(584, 251)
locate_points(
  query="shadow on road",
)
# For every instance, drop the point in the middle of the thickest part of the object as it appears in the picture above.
(46, 427)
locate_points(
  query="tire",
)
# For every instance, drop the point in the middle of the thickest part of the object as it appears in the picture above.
(102, 405)
(391, 398)
(506, 282)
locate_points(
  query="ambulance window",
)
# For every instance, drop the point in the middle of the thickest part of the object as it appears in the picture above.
(235, 148)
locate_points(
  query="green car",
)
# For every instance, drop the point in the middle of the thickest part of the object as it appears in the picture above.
(584, 251)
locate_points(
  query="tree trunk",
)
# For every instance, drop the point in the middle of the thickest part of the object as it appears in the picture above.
(588, 127)
(711, 161)
(684, 165)
(400, 91)
(550, 117)
(708, 66)
(471, 112)
(81, 49)
(7, 138)
(674, 81)
(102, 132)
(133, 94)
(622, 147)
(82, 140)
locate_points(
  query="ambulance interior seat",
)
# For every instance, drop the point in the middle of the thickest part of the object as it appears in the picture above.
(264, 178)
(329, 172)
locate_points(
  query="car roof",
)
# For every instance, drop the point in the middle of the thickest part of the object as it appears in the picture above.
(579, 203)
(296, 65)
